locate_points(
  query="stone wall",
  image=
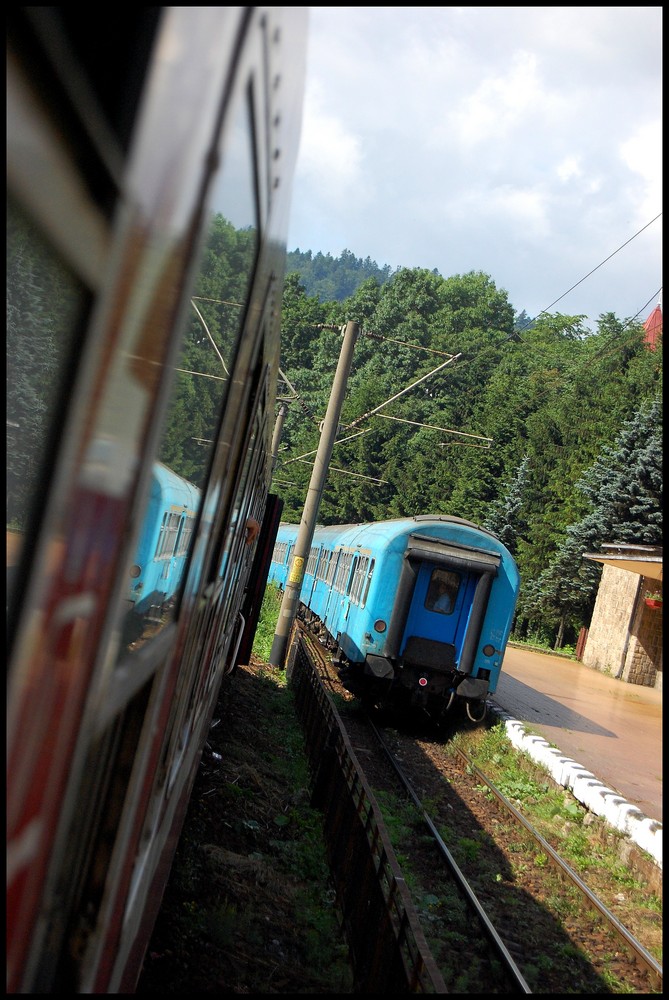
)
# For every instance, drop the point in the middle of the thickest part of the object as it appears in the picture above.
(643, 663)
(625, 636)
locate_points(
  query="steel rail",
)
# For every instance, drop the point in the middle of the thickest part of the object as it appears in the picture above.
(642, 956)
(488, 927)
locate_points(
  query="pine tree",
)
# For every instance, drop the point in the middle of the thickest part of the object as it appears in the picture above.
(505, 518)
(624, 488)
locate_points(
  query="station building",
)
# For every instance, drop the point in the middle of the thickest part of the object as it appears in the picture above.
(625, 634)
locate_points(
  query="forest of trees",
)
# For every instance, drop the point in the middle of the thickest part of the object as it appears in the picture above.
(573, 421)
(540, 430)
(333, 279)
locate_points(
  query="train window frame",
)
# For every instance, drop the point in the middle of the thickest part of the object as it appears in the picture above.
(368, 582)
(332, 567)
(312, 561)
(343, 571)
(218, 593)
(354, 586)
(168, 535)
(360, 578)
(185, 535)
(219, 486)
(323, 565)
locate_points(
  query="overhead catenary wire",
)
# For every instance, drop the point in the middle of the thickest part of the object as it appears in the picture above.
(442, 430)
(601, 264)
(513, 336)
(206, 330)
(345, 472)
(381, 406)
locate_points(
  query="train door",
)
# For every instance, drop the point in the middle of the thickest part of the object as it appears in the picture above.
(441, 606)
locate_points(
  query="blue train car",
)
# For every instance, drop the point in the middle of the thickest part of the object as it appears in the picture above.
(163, 547)
(417, 609)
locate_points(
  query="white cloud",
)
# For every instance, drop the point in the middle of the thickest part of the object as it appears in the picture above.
(642, 154)
(524, 142)
(569, 168)
(329, 176)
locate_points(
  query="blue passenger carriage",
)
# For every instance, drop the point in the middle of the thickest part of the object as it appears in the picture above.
(164, 544)
(417, 609)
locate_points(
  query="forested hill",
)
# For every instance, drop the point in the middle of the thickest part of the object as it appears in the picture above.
(543, 431)
(333, 279)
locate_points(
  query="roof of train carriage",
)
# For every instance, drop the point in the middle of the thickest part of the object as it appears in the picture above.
(365, 533)
(174, 484)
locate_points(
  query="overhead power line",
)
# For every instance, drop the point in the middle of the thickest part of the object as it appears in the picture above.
(621, 247)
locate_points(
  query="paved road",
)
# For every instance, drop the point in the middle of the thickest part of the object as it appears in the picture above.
(612, 728)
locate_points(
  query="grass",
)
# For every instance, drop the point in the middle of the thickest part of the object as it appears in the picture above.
(553, 810)
(269, 615)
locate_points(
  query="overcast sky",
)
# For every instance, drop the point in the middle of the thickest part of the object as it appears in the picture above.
(523, 142)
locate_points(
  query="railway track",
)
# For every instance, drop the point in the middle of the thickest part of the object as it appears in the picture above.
(497, 908)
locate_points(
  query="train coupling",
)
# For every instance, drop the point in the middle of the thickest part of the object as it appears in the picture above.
(475, 688)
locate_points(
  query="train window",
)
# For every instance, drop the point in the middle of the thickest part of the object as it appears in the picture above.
(367, 584)
(341, 557)
(311, 562)
(44, 304)
(201, 385)
(442, 591)
(183, 544)
(280, 550)
(353, 580)
(332, 568)
(242, 502)
(167, 538)
(323, 565)
(358, 577)
(343, 569)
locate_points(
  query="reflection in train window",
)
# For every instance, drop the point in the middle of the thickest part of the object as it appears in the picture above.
(442, 591)
(213, 328)
(44, 306)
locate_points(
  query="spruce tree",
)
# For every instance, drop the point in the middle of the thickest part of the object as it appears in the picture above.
(624, 488)
(505, 517)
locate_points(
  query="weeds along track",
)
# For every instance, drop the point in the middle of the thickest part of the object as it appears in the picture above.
(386, 942)
(492, 907)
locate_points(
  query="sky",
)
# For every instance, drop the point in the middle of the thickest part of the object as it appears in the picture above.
(523, 142)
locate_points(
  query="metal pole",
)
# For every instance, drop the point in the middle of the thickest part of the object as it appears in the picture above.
(278, 431)
(305, 532)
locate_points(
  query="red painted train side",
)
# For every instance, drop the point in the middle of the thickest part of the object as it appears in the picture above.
(131, 135)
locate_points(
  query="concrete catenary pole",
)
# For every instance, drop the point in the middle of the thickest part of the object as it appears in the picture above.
(305, 534)
(278, 431)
